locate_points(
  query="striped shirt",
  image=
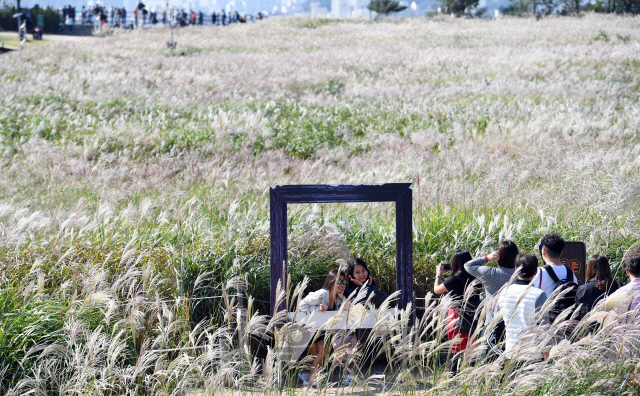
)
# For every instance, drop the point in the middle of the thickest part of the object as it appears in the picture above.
(630, 292)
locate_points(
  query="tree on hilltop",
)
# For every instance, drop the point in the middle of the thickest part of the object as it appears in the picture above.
(459, 6)
(385, 7)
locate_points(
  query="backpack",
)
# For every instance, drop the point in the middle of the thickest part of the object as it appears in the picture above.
(567, 300)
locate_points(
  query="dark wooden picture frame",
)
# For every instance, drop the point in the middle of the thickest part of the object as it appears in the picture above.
(400, 193)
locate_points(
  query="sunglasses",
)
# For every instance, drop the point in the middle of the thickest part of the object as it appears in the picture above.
(342, 282)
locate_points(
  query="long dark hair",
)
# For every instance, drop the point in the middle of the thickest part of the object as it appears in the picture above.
(508, 251)
(352, 266)
(598, 267)
(332, 276)
(460, 257)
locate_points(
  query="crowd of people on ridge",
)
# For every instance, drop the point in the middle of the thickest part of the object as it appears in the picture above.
(515, 289)
(141, 15)
(118, 17)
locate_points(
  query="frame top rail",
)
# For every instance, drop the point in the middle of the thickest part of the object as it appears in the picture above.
(330, 193)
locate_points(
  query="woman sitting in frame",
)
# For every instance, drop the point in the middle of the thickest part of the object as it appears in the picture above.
(359, 278)
(329, 298)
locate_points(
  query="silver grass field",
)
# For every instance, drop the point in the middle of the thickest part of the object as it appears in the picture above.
(134, 219)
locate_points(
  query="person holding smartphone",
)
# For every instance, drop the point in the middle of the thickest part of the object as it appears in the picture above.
(455, 286)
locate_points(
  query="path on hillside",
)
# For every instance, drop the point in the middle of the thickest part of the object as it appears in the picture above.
(10, 39)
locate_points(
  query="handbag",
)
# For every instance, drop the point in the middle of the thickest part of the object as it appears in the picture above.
(467, 322)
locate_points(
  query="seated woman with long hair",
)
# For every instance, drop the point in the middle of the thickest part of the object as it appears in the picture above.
(456, 285)
(361, 286)
(600, 284)
(359, 277)
(329, 298)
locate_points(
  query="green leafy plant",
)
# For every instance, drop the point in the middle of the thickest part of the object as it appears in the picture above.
(602, 36)
(385, 7)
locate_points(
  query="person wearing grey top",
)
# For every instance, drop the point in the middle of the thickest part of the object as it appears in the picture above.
(494, 278)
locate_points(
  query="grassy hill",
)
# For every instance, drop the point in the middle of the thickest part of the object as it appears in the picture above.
(133, 180)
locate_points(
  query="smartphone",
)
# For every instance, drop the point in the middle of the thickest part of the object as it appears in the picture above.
(446, 266)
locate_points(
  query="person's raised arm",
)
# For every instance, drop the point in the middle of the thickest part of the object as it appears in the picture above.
(476, 267)
(439, 287)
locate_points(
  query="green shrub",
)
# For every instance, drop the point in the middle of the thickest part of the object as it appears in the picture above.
(52, 20)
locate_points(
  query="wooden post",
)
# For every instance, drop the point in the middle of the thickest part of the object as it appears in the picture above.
(404, 247)
(278, 211)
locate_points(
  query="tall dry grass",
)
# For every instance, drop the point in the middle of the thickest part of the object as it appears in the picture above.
(134, 192)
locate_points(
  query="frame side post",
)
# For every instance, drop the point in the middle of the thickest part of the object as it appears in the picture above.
(404, 248)
(278, 212)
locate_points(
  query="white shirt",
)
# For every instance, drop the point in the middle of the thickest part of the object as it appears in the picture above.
(518, 305)
(313, 300)
(548, 285)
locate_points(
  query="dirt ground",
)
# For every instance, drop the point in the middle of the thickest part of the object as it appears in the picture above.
(372, 385)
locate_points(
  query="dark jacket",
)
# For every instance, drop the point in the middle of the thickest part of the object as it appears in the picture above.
(377, 300)
(588, 295)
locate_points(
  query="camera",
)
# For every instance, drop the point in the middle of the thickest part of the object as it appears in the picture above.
(446, 266)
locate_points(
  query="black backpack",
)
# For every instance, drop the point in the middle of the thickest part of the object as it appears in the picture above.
(567, 300)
